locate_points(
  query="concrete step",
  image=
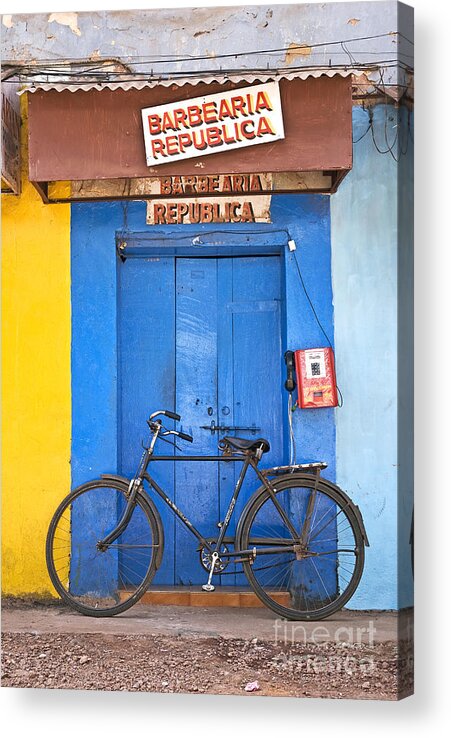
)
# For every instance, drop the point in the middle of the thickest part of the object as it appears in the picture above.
(194, 596)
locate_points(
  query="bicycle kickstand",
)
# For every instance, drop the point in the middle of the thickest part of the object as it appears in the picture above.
(209, 587)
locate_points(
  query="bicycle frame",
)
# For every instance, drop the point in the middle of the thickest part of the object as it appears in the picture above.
(247, 459)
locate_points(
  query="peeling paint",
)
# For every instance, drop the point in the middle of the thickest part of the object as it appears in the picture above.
(7, 21)
(66, 19)
(295, 50)
(353, 21)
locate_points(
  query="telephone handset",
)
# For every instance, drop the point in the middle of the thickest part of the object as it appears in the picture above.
(290, 384)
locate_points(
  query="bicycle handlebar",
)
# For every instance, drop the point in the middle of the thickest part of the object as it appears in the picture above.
(168, 413)
(174, 416)
(185, 436)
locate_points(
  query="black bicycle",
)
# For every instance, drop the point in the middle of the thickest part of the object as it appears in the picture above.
(300, 539)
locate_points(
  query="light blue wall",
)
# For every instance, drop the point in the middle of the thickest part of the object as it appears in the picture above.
(371, 260)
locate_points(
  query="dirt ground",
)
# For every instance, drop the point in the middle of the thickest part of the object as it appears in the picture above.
(191, 663)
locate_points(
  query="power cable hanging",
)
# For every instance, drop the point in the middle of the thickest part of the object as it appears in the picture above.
(175, 58)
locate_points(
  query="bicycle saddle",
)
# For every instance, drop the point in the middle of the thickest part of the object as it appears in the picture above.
(243, 444)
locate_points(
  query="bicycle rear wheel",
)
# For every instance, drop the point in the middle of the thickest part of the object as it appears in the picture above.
(309, 581)
(95, 582)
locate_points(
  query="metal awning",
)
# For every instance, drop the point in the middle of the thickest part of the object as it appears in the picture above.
(137, 83)
(98, 136)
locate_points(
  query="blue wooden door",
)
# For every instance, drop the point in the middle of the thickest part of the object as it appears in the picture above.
(202, 336)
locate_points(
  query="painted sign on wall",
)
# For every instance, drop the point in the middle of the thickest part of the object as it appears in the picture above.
(218, 199)
(213, 123)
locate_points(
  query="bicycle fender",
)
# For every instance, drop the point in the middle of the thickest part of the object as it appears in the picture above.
(150, 503)
(307, 477)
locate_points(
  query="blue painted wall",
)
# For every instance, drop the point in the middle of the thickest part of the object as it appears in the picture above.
(373, 288)
(304, 218)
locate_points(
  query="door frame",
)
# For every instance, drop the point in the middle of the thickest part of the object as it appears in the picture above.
(211, 242)
(152, 249)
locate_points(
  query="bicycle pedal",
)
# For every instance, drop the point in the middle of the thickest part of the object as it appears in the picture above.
(208, 587)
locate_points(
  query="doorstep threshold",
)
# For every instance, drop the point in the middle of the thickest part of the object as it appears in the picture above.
(194, 596)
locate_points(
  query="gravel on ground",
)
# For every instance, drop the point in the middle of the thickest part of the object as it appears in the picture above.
(213, 665)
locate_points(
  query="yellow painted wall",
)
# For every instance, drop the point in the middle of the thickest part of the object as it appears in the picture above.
(36, 401)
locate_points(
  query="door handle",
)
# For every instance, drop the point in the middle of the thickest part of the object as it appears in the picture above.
(224, 428)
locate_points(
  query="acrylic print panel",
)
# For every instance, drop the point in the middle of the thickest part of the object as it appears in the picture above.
(200, 527)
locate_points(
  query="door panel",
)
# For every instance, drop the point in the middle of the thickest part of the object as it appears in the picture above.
(196, 402)
(257, 355)
(146, 334)
(201, 336)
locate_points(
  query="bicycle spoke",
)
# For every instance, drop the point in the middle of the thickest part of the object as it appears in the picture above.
(328, 580)
(91, 579)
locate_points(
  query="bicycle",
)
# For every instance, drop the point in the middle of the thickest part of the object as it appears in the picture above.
(300, 539)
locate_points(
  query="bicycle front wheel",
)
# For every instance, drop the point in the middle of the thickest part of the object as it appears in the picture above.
(94, 581)
(308, 549)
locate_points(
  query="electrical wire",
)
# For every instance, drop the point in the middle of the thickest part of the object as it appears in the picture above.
(177, 58)
(86, 75)
(291, 432)
(341, 401)
(355, 141)
(309, 300)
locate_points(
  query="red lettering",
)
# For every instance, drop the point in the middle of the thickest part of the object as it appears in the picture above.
(190, 185)
(255, 183)
(209, 110)
(172, 145)
(168, 123)
(206, 212)
(263, 101)
(264, 127)
(199, 140)
(177, 186)
(214, 136)
(238, 105)
(158, 213)
(165, 186)
(194, 115)
(185, 140)
(234, 215)
(157, 147)
(180, 118)
(194, 212)
(228, 139)
(182, 210)
(227, 185)
(247, 213)
(171, 213)
(249, 134)
(225, 111)
(202, 184)
(154, 122)
(237, 183)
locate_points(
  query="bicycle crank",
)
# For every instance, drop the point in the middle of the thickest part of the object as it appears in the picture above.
(209, 587)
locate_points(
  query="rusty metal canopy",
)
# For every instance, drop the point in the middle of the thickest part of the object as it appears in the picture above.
(85, 85)
(98, 134)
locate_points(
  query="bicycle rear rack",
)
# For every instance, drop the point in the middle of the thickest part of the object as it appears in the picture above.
(308, 466)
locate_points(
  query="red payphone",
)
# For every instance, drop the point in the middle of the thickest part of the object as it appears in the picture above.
(315, 373)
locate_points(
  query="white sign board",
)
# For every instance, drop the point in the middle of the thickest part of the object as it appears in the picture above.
(206, 125)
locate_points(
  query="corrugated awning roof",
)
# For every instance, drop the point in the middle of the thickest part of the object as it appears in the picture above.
(140, 84)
